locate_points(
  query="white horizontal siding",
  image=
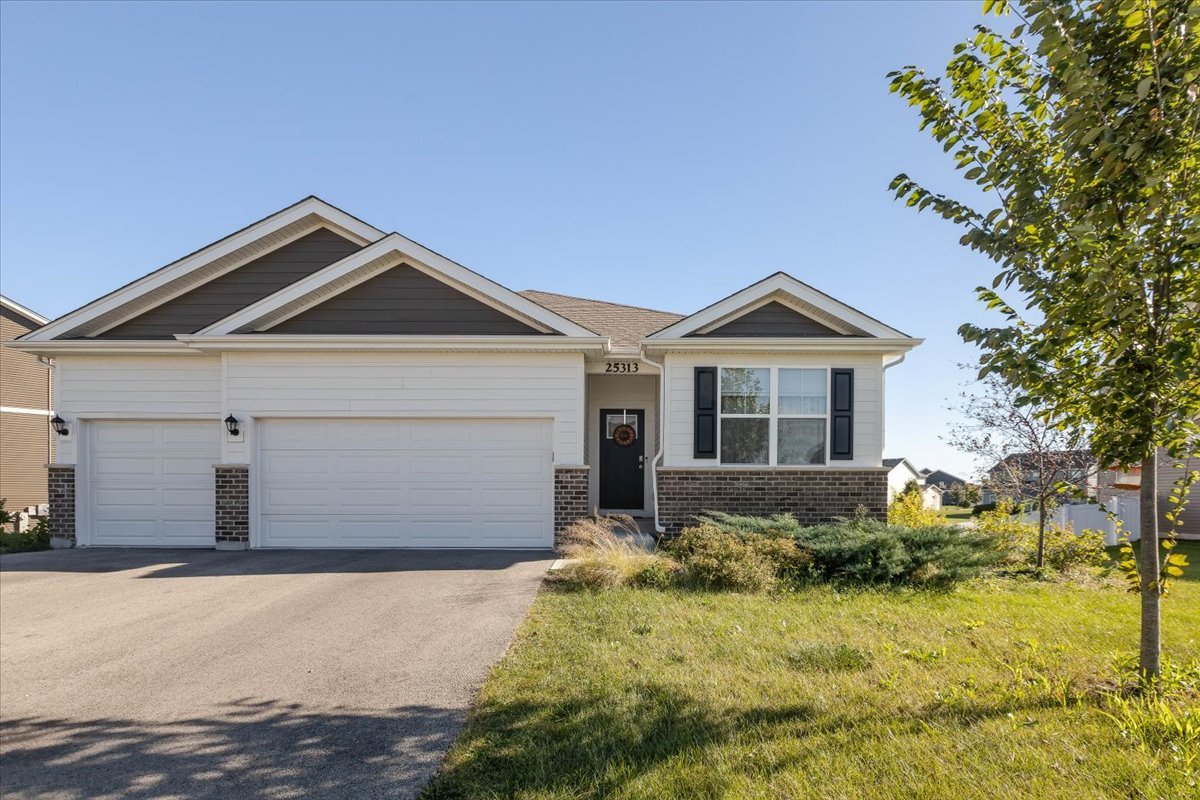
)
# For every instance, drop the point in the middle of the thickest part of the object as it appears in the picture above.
(868, 399)
(546, 385)
(137, 387)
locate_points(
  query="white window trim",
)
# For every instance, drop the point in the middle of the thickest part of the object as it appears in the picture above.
(774, 415)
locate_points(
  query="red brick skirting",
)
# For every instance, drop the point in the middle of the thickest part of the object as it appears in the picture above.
(570, 497)
(813, 496)
(61, 485)
(233, 504)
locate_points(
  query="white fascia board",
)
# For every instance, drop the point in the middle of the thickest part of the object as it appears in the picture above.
(779, 282)
(94, 347)
(267, 341)
(22, 310)
(404, 247)
(358, 229)
(725, 344)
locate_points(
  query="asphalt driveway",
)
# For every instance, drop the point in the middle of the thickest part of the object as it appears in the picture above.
(169, 673)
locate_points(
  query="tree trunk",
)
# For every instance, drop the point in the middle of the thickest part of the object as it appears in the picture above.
(1149, 566)
(1041, 549)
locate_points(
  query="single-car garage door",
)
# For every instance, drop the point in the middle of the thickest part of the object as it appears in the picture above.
(151, 483)
(406, 483)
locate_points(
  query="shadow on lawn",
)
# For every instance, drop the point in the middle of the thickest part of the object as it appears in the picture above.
(249, 749)
(596, 747)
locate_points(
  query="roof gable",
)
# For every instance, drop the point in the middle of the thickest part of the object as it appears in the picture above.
(402, 300)
(228, 254)
(230, 291)
(31, 319)
(771, 319)
(785, 290)
(369, 262)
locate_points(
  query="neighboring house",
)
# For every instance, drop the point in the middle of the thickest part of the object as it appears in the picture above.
(1017, 474)
(1117, 484)
(947, 483)
(346, 387)
(901, 472)
(26, 445)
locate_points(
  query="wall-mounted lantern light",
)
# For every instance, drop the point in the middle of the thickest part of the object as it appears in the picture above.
(60, 425)
(231, 425)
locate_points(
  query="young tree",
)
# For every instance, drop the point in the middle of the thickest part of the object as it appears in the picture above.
(1032, 459)
(1084, 125)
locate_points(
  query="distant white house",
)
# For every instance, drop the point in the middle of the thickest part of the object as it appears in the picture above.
(901, 472)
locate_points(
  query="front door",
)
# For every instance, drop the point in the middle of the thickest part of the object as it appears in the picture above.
(622, 459)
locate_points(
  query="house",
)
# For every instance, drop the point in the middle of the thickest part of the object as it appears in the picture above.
(901, 472)
(1018, 474)
(312, 381)
(1113, 484)
(26, 444)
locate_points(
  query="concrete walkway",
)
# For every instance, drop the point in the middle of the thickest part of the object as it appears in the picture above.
(198, 674)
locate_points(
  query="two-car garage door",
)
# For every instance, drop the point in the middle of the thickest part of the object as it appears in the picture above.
(330, 483)
(405, 483)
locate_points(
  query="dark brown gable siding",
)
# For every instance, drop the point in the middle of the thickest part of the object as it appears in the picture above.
(403, 301)
(235, 290)
(773, 319)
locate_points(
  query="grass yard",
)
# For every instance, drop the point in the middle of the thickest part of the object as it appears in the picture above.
(982, 692)
(957, 512)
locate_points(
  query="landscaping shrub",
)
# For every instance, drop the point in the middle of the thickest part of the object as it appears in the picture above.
(1065, 549)
(717, 559)
(605, 553)
(36, 538)
(908, 508)
(869, 551)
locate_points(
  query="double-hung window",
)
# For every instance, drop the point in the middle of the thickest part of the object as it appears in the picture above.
(774, 415)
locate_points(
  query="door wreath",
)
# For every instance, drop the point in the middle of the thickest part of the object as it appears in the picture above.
(624, 435)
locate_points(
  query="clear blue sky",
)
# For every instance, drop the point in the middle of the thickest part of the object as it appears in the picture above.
(652, 154)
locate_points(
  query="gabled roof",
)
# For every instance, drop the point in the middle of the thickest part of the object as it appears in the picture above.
(789, 291)
(624, 325)
(390, 251)
(17, 308)
(205, 264)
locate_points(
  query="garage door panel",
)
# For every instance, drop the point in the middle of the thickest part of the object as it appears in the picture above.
(436, 465)
(151, 483)
(123, 436)
(406, 483)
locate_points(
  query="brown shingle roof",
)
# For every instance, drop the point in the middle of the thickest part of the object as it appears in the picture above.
(625, 325)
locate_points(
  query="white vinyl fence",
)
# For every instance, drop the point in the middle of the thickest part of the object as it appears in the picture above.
(1092, 517)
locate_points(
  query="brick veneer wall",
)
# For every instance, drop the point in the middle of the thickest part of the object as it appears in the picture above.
(61, 486)
(812, 496)
(570, 497)
(233, 505)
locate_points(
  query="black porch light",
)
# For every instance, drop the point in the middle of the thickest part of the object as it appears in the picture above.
(231, 425)
(60, 425)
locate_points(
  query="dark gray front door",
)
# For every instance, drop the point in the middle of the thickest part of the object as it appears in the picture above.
(622, 458)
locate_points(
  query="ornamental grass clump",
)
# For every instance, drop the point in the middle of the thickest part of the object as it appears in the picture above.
(605, 553)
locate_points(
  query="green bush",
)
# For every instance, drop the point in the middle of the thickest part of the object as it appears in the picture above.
(1065, 549)
(869, 551)
(716, 558)
(36, 538)
(908, 508)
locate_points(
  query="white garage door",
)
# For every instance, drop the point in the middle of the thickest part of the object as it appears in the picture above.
(406, 483)
(151, 483)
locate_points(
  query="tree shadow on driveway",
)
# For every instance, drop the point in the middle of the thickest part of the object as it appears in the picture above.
(248, 749)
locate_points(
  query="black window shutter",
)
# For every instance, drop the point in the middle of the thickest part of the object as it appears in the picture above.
(841, 418)
(705, 440)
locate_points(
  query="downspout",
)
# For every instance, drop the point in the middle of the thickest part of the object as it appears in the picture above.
(660, 427)
(48, 363)
(883, 405)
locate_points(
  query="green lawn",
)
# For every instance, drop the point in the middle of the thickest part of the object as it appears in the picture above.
(983, 692)
(957, 512)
